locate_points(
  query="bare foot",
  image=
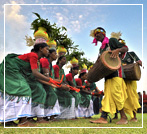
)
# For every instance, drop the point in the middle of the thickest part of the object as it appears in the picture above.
(100, 121)
(122, 121)
(133, 120)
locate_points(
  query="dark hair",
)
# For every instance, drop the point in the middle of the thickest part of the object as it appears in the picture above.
(37, 47)
(52, 50)
(82, 74)
(74, 68)
(60, 58)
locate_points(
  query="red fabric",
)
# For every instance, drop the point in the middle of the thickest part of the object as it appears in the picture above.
(125, 46)
(78, 82)
(69, 77)
(56, 71)
(86, 82)
(44, 63)
(123, 55)
(144, 98)
(120, 72)
(30, 57)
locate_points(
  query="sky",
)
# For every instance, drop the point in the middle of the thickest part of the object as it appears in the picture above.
(79, 21)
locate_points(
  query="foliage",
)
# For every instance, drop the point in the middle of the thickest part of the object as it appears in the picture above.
(55, 33)
(75, 53)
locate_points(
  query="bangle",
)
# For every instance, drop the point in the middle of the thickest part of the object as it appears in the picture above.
(46, 73)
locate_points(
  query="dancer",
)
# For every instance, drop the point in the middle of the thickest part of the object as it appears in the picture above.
(66, 100)
(132, 102)
(86, 104)
(71, 81)
(52, 108)
(115, 88)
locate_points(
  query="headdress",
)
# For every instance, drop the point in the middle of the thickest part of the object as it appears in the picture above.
(98, 29)
(90, 67)
(61, 51)
(52, 44)
(83, 69)
(74, 62)
(116, 35)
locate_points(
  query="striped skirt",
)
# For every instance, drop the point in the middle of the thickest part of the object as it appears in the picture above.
(67, 112)
(15, 107)
(85, 111)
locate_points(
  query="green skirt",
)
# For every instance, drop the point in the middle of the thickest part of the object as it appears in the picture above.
(51, 96)
(15, 82)
(85, 100)
(64, 97)
(19, 80)
(77, 97)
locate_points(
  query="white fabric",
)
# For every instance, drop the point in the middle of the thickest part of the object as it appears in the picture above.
(40, 40)
(1, 107)
(86, 112)
(14, 109)
(52, 110)
(77, 111)
(67, 112)
(37, 111)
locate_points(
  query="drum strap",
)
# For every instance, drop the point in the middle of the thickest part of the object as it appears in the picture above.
(131, 56)
(108, 48)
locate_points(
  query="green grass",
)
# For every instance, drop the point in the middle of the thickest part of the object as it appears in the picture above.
(82, 123)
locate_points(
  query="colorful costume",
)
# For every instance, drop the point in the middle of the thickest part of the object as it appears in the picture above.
(38, 91)
(70, 78)
(66, 100)
(51, 103)
(96, 99)
(86, 103)
(132, 102)
(18, 75)
(115, 89)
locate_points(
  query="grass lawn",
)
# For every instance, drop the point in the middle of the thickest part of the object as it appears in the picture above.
(82, 123)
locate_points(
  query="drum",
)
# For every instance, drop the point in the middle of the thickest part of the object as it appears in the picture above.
(132, 71)
(104, 66)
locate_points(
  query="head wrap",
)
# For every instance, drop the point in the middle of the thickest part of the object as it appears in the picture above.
(83, 69)
(40, 35)
(61, 51)
(52, 44)
(90, 67)
(74, 62)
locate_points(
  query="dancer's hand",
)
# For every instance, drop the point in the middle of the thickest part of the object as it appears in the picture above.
(114, 53)
(64, 87)
(139, 63)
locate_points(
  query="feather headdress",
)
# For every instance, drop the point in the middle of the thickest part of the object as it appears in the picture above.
(116, 35)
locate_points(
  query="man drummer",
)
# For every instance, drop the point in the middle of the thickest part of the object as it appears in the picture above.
(115, 88)
(132, 103)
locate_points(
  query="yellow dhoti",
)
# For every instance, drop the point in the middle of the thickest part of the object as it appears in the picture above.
(132, 102)
(114, 95)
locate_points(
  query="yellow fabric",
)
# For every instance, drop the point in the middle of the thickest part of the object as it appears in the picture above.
(114, 95)
(132, 102)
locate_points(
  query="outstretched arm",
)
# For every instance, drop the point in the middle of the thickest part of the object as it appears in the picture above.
(115, 53)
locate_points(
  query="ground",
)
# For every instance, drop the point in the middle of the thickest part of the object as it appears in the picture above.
(82, 123)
